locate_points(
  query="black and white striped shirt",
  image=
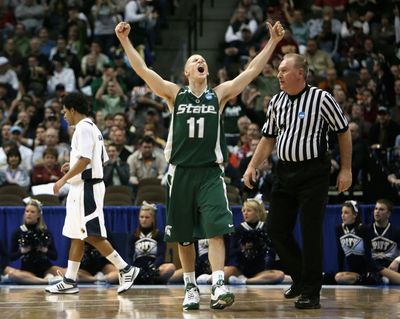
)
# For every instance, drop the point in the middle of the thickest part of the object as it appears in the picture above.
(300, 123)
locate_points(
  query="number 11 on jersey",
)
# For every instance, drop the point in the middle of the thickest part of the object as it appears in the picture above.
(192, 127)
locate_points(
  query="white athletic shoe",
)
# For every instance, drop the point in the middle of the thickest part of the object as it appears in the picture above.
(237, 280)
(221, 297)
(192, 297)
(66, 286)
(127, 278)
(203, 279)
(54, 280)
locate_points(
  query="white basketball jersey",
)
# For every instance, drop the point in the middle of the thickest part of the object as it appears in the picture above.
(87, 141)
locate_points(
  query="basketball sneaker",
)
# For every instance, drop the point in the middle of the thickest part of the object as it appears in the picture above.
(127, 278)
(66, 286)
(192, 297)
(221, 297)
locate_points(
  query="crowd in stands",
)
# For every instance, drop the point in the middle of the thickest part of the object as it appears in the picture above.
(53, 47)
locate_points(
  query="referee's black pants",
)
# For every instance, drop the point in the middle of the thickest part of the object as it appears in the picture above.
(300, 186)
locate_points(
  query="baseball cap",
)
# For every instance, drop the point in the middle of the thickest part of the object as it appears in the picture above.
(3, 60)
(383, 110)
(357, 24)
(151, 111)
(15, 129)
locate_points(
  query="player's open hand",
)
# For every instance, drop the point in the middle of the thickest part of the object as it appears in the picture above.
(122, 30)
(277, 31)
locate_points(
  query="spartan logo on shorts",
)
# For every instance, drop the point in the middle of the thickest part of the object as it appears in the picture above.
(168, 230)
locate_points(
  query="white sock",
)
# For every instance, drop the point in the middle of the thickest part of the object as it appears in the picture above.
(189, 277)
(217, 276)
(117, 260)
(72, 270)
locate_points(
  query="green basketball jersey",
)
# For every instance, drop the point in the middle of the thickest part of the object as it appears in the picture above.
(196, 135)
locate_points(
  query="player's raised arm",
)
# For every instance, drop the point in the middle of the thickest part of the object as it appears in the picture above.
(229, 89)
(158, 85)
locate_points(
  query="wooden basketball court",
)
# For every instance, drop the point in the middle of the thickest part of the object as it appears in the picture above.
(97, 301)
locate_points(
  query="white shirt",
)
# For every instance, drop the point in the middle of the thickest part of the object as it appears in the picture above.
(88, 142)
(66, 77)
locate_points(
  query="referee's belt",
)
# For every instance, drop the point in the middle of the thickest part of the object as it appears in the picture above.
(318, 159)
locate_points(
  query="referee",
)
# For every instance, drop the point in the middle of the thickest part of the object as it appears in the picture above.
(298, 121)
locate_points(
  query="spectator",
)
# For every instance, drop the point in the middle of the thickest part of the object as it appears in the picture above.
(316, 24)
(121, 122)
(145, 163)
(118, 138)
(31, 14)
(90, 71)
(111, 97)
(267, 84)
(109, 74)
(34, 49)
(366, 10)
(237, 52)
(331, 81)
(61, 75)
(21, 39)
(143, 18)
(319, 61)
(14, 57)
(357, 116)
(384, 131)
(238, 21)
(300, 30)
(105, 17)
(7, 20)
(51, 141)
(234, 109)
(253, 10)
(8, 76)
(46, 43)
(49, 170)
(56, 18)
(34, 77)
(142, 98)
(15, 174)
(116, 172)
(70, 58)
(25, 153)
(385, 83)
(150, 130)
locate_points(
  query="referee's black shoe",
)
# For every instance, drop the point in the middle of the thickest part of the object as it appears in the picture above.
(307, 302)
(292, 292)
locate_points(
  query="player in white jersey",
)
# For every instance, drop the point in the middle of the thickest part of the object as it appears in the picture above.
(85, 218)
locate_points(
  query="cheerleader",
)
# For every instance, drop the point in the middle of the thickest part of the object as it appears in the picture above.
(147, 249)
(251, 257)
(354, 248)
(33, 244)
(385, 242)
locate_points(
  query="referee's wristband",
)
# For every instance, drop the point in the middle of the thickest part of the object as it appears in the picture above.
(397, 259)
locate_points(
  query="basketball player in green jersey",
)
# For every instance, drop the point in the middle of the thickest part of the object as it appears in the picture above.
(197, 205)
